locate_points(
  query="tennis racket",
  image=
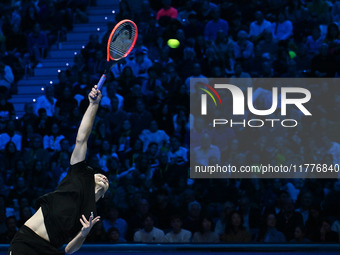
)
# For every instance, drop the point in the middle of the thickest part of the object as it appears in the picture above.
(121, 42)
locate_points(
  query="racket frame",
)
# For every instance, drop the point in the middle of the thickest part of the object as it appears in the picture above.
(108, 57)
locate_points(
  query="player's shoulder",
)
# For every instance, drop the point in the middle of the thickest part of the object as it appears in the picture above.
(81, 166)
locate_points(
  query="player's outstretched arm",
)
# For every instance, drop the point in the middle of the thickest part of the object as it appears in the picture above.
(85, 127)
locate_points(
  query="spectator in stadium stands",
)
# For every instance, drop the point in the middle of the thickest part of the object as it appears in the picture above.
(141, 210)
(3, 227)
(299, 235)
(204, 9)
(243, 48)
(43, 122)
(319, 9)
(177, 153)
(113, 221)
(258, 27)
(195, 73)
(36, 152)
(126, 80)
(6, 76)
(268, 232)
(149, 233)
(243, 84)
(141, 118)
(26, 212)
(193, 221)
(314, 41)
(163, 208)
(140, 64)
(313, 224)
(336, 12)
(268, 44)
(227, 209)
(283, 29)
(4, 188)
(323, 64)
(65, 104)
(203, 152)
(250, 214)
(41, 181)
(288, 219)
(11, 155)
(305, 205)
(325, 234)
(333, 38)
(111, 92)
(47, 101)
(206, 233)
(91, 47)
(37, 44)
(96, 64)
(53, 138)
(167, 10)
(11, 134)
(20, 190)
(29, 117)
(235, 232)
(336, 224)
(177, 234)
(215, 25)
(331, 147)
(16, 40)
(113, 236)
(153, 135)
(151, 83)
(185, 11)
(6, 108)
(12, 228)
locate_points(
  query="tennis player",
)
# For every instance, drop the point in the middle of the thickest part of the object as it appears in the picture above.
(67, 214)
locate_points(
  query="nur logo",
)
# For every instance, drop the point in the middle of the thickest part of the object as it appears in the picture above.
(204, 98)
(239, 100)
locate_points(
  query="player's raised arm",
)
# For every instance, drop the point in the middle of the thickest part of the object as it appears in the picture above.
(84, 131)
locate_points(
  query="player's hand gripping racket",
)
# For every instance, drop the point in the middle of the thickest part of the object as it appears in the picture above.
(121, 42)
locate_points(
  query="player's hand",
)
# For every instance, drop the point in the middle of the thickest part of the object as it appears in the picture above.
(88, 224)
(95, 95)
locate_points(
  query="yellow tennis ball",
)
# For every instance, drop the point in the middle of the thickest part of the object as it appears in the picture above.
(173, 43)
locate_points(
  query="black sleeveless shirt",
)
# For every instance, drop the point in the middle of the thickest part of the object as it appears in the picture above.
(63, 208)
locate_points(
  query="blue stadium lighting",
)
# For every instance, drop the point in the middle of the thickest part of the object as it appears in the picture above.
(42, 89)
(83, 47)
(98, 28)
(59, 70)
(67, 64)
(51, 82)
(16, 117)
(34, 100)
(113, 11)
(105, 18)
(75, 53)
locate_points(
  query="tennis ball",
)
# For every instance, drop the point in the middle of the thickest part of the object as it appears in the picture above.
(292, 54)
(173, 43)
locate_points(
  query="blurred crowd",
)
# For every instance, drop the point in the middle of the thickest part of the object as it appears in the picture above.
(141, 136)
(28, 29)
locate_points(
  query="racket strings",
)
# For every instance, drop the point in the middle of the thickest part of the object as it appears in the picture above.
(122, 40)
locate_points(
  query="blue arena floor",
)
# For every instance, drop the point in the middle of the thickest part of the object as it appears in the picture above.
(218, 249)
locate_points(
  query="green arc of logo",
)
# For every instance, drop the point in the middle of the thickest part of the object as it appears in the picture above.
(209, 95)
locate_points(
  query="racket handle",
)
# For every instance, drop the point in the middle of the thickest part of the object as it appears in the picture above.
(101, 82)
